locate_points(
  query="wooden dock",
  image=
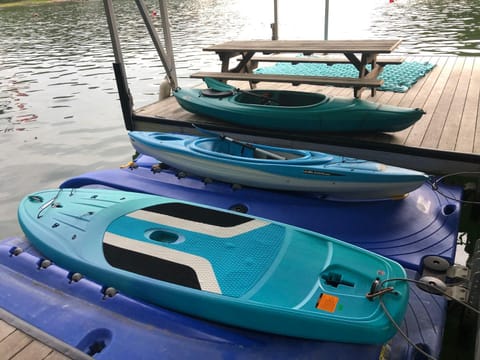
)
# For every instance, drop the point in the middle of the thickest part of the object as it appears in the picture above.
(21, 341)
(446, 139)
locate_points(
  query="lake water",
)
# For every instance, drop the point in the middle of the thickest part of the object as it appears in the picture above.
(59, 110)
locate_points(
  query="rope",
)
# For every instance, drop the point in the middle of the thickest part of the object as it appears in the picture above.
(384, 291)
(435, 187)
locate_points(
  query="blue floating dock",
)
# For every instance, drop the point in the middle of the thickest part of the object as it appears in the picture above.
(120, 327)
(422, 224)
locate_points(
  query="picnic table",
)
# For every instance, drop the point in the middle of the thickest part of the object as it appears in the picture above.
(363, 54)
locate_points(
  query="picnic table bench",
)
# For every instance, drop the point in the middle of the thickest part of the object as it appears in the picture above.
(360, 53)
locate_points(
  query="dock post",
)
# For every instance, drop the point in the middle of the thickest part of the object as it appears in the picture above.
(327, 10)
(274, 25)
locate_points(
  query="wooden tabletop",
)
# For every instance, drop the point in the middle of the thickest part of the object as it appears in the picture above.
(308, 46)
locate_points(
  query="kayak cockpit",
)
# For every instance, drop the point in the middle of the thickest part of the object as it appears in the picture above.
(279, 98)
(227, 147)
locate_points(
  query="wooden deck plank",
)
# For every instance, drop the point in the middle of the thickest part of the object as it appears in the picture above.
(14, 343)
(20, 340)
(476, 144)
(442, 109)
(419, 95)
(428, 101)
(449, 136)
(425, 84)
(34, 350)
(5, 330)
(469, 131)
(407, 101)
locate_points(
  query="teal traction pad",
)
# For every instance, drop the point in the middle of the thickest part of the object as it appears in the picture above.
(397, 78)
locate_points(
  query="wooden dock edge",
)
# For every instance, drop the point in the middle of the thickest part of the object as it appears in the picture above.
(68, 351)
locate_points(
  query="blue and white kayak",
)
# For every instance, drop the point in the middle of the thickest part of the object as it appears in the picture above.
(262, 166)
(218, 265)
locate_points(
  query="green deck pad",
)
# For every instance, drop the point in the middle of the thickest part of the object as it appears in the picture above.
(397, 78)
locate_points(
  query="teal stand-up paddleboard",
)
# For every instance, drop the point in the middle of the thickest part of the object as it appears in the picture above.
(222, 266)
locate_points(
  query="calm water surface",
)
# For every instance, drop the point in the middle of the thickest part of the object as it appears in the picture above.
(59, 110)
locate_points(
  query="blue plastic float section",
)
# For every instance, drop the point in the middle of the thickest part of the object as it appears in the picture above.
(425, 223)
(122, 328)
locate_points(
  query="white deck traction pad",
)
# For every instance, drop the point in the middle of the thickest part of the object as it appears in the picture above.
(203, 228)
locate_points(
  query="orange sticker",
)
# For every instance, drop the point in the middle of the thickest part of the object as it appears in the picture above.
(327, 302)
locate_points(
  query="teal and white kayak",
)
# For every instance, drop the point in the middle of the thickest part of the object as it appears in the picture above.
(219, 265)
(295, 111)
(261, 166)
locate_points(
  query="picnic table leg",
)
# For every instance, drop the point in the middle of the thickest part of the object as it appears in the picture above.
(225, 59)
(374, 71)
(363, 72)
(360, 65)
(244, 64)
(369, 58)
